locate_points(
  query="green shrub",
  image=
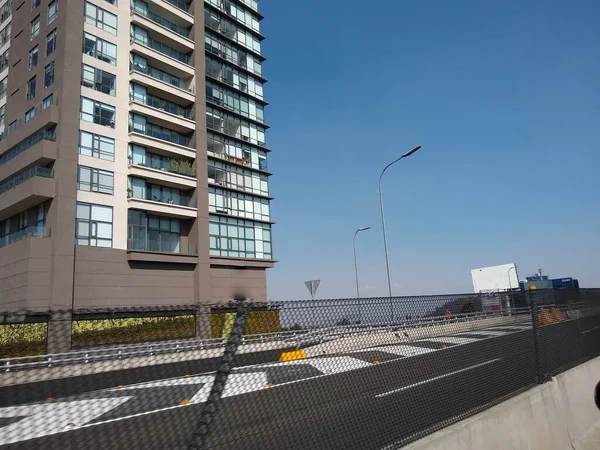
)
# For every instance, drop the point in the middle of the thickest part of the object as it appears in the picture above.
(23, 339)
(112, 331)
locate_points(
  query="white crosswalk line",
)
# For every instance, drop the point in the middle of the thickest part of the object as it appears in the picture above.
(49, 418)
(486, 333)
(405, 350)
(451, 340)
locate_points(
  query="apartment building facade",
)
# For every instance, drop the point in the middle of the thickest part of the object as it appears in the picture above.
(133, 159)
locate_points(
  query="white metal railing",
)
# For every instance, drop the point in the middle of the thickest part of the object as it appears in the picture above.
(295, 339)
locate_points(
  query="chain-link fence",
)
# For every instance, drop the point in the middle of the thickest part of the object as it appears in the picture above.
(323, 374)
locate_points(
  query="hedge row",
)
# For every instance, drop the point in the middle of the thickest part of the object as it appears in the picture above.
(30, 339)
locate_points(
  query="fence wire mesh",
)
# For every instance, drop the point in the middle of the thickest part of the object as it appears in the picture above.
(322, 374)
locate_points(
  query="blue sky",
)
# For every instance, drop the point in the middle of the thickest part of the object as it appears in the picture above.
(504, 97)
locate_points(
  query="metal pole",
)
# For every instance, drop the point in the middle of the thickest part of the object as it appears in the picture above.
(356, 268)
(387, 258)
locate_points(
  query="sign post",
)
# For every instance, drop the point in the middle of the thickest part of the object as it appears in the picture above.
(312, 286)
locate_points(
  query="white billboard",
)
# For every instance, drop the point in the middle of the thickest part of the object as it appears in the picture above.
(495, 278)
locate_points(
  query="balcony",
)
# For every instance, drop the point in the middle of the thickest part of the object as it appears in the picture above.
(39, 149)
(169, 85)
(33, 231)
(162, 61)
(164, 112)
(163, 176)
(162, 21)
(26, 190)
(183, 207)
(164, 134)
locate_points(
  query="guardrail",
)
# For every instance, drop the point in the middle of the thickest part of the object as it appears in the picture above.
(289, 339)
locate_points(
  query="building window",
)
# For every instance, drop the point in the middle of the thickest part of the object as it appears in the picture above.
(22, 220)
(239, 238)
(31, 88)
(96, 146)
(49, 75)
(238, 204)
(33, 58)
(48, 101)
(35, 27)
(95, 180)
(40, 218)
(3, 87)
(35, 4)
(51, 43)
(97, 112)
(29, 114)
(100, 18)
(153, 233)
(93, 225)
(52, 10)
(2, 114)
(100, 49)
(98, 79)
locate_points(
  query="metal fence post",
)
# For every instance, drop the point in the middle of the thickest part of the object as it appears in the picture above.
(536, 337)
(225, 367)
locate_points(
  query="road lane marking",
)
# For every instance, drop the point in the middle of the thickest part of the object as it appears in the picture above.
(591, 329)
(486, 333)
(440, 377)
(402, 350)
(452, 340)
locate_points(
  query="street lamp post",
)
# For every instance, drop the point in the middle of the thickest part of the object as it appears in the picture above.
(387, 258)
(355, 264)
(510, 284)
(356, 268)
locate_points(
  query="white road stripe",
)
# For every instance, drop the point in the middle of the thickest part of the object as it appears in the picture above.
(53, 417)
(403, 350)
(591, 329)
(333, 364)
(451, 340)
(420, 383)
(164, 383)
(486, 333)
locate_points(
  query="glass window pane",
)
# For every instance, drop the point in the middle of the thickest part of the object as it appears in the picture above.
(104, 230)
(103, 213)
(83, 211)
(83, 228)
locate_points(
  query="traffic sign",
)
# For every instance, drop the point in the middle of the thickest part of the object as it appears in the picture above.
(312, 286)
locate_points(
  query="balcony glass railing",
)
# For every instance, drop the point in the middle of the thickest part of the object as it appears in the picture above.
(161, 133)
(161, 20)
(33, 231)
(162, 48)
(158, 162)
(35, 171)
(170, 198)
(180, 4)
(164, 105)
(162, 76)
(44, 135)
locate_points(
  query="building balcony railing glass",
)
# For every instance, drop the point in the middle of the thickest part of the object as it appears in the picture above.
(161, 133)
(144, 239)
(162, 76)
(180, 4)
(35, 171)
(32, 231)
(142, 10)
(162, 48)
(44, 135)
(158, 162)
(164, 105)
(171, 198)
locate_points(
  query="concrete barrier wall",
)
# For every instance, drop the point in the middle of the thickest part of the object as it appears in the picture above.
(557, 415)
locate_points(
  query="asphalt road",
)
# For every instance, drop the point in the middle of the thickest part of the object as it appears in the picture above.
(366, 408)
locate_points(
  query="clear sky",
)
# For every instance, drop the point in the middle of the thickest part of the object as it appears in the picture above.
(504, 97)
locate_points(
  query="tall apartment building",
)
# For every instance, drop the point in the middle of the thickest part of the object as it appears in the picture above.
(133, 162)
